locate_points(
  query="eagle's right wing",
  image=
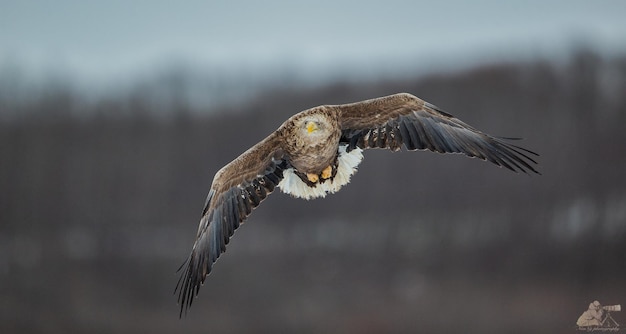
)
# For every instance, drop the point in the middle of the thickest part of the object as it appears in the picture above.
(237, 188)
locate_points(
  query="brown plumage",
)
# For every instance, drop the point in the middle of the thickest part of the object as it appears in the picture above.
(316, 151)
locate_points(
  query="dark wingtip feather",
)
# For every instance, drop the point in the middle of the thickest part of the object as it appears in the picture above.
(183, 288)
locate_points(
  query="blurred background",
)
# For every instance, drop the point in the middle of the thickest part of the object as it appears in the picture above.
(114, 117)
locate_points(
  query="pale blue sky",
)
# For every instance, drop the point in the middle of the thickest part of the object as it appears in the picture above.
(113, 41)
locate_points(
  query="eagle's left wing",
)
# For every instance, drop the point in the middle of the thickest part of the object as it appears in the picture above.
(403, 119)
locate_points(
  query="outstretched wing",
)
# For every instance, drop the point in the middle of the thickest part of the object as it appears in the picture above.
(403, 119)
(237, 188)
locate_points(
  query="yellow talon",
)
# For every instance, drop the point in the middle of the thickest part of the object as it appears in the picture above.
(312, 177)
(327, 172)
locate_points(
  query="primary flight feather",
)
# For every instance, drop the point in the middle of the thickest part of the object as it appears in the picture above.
(316, 151)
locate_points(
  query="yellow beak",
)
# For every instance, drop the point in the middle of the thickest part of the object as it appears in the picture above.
(311, 126)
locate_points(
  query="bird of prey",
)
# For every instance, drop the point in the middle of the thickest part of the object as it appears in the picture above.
(315, 152)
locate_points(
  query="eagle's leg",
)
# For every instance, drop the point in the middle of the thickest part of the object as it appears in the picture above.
(308, 178)
(330, 171)
(327, 172)
(312, 177)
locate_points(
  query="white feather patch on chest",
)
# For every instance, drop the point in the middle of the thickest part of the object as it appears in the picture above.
(347, 163)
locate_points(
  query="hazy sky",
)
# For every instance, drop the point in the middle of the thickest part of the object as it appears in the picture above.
(104, 41)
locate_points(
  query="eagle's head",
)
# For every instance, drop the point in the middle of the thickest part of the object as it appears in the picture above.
(315, 127)
(312, 126)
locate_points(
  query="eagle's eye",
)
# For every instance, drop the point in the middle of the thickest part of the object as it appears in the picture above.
(311, 126)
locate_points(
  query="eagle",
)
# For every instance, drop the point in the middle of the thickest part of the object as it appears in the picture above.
(316, 151)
